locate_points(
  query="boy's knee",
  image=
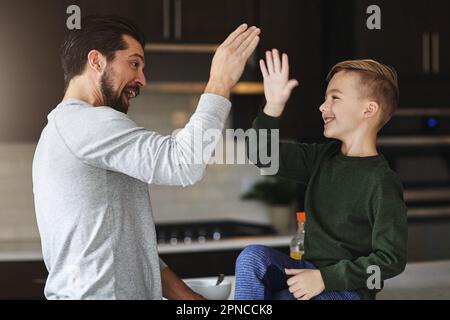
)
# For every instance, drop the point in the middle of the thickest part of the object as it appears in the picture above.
(251, 254)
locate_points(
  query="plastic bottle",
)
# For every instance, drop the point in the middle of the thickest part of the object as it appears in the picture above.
(297, 246)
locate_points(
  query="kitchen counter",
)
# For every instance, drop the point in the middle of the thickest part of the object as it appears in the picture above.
(30, 251)
(20, 251)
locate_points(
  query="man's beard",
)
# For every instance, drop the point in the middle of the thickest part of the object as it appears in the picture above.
(119, 102)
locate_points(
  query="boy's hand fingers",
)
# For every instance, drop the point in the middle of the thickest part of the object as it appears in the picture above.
(276, 61)
(263, 68)
(292, 272)
(285, 65)
(299, 294)
(291, 85)
(296, 287)
(269, 62)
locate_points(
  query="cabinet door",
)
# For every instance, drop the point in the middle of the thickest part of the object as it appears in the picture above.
(210, 21)
(440, 44)
(128, 9)
(155, 19)
(400, 42)
(22, 279)
(152, 16)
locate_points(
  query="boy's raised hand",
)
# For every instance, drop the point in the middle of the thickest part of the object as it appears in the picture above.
(277, 86)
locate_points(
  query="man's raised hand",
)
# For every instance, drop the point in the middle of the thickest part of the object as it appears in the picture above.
(230, 59)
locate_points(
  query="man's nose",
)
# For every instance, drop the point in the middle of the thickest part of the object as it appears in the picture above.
(141, 79)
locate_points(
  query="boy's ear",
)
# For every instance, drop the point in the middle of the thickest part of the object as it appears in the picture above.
(372, 108)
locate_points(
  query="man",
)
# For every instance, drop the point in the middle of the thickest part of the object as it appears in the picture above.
(93, 164)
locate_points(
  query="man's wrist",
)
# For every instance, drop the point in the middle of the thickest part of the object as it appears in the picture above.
(216, 87)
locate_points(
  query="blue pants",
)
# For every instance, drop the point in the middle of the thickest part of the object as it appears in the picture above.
(260, 276)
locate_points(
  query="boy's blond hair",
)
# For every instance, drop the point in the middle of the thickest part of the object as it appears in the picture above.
(378, 82)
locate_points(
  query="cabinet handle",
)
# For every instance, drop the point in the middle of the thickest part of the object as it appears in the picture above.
(38, 281)
(166, 19)
(435, 52)
(178, 19)
(426, 52)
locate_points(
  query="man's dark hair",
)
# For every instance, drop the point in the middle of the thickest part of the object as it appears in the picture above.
(102, 33)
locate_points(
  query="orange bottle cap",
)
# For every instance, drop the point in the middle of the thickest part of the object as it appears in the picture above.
(301, 216)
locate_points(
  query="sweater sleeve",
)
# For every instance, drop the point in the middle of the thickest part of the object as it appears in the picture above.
(295, 160)
(389, 241)
(108, 139)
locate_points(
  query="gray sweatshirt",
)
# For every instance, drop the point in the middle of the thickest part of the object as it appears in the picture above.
(91, 171)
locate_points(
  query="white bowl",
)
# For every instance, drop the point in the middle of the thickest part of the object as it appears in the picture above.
(208, 289)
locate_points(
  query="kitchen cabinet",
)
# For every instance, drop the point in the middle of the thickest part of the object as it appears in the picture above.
(195, 21)
(440, 35)
(413, 39)
(22, 279)
(402, 41)
(129, 9)
(179, 21)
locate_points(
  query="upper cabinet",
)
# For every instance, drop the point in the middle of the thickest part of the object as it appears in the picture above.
(440, 36)
(180, 21)
(128, 9)
(413, 39)
(413, 36)
(194, 21)
(402, 40)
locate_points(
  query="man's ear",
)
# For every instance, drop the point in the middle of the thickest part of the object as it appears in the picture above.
(371, 109)
(96, 61)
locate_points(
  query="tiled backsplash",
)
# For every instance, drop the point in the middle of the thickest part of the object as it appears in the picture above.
(216, 197)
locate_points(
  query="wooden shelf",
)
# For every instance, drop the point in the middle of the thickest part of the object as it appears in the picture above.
(241, 88)
(180, 47)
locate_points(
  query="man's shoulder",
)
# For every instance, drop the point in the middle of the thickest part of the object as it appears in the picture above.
(73, 109)
(79, 123)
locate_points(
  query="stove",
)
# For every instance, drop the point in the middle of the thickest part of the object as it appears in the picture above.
(199, 232)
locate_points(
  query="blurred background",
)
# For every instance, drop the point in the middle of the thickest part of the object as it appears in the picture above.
(213, 220)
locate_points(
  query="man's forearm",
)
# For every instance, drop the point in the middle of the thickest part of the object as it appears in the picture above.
(175, 289)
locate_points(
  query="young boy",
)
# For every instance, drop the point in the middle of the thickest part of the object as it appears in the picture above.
(356, 219)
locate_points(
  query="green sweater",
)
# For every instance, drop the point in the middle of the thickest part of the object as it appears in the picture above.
(355, 213)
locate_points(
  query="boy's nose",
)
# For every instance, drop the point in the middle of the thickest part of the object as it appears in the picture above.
(322, 107)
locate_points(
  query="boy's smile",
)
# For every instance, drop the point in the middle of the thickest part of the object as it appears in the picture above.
(343, 108)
